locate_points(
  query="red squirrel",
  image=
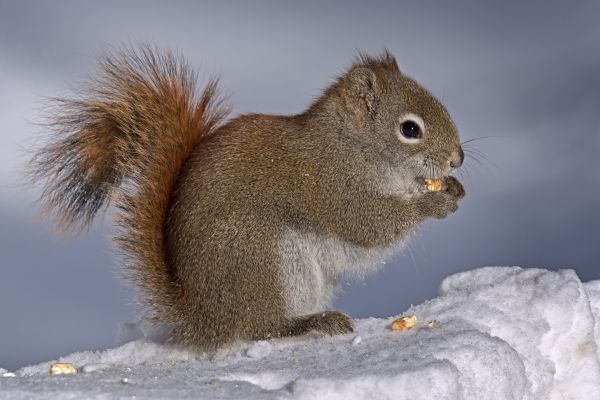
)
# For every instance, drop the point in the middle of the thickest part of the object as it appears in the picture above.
(239, 228)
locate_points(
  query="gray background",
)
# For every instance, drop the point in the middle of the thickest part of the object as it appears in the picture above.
(525, 73)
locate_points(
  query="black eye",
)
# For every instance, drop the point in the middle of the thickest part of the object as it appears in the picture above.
(411, 130)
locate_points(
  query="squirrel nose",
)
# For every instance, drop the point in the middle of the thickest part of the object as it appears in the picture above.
(457, 158)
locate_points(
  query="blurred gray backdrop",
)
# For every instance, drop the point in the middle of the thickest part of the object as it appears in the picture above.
(523, 76)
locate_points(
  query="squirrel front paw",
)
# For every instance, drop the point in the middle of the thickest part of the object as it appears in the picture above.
(442, 203)
(453, 187)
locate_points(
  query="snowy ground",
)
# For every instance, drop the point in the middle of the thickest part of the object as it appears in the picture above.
(503, 333)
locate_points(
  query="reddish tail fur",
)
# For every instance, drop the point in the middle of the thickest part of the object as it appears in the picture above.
(125, 141)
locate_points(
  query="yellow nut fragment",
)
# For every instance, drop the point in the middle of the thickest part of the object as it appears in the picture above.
(404, 323)
(434, 185)
(62, 369)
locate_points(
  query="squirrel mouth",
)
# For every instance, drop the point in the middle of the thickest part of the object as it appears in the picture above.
(429, 185)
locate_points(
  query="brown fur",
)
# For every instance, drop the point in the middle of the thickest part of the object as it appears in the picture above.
(203, 206)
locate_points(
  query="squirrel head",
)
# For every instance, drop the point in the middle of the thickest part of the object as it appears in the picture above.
(395, 122)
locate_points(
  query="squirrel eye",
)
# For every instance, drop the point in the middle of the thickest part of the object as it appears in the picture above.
(411, 130)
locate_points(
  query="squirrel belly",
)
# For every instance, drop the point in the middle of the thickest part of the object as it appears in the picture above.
(240, 229)
(312, 265)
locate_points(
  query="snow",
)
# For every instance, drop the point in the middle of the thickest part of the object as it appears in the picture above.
(502, 333)
(259, 349)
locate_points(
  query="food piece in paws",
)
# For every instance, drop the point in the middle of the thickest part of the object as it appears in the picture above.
(434, 185)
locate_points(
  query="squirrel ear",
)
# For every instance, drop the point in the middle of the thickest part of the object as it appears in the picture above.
(360, 91)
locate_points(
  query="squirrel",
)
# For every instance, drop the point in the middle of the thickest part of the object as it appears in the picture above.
(239, 229)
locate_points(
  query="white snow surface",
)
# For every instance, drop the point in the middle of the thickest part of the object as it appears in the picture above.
(502, 333)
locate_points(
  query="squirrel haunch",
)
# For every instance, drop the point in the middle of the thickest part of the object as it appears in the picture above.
(239, 229)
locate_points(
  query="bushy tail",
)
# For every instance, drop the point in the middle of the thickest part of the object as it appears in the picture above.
(125, 140)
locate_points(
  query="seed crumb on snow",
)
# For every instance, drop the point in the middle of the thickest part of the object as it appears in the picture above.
(62, 369)
(404, 323)
(433, 324)
(508, 333)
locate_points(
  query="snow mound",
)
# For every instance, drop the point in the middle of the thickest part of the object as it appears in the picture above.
(500, 333)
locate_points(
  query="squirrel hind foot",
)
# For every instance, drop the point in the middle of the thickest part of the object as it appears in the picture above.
(327, 322)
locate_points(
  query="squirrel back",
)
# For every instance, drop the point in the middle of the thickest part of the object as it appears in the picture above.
(125, 141)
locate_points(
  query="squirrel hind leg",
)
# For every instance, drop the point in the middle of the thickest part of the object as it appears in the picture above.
(327, 322)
